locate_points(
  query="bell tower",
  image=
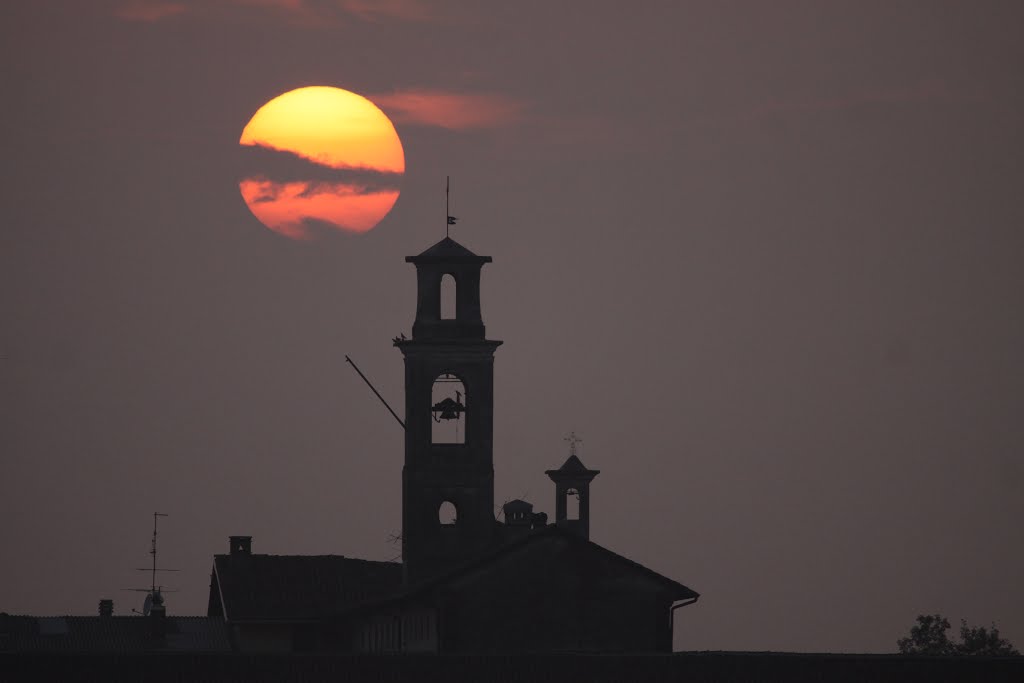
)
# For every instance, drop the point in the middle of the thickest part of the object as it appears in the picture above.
(448, 477)
(572, 492)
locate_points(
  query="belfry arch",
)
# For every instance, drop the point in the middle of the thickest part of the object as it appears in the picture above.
(449, 297)
(447, 513)
(448, 410)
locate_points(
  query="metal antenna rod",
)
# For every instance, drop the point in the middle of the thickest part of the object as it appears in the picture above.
(153, 551)
(154, 588)
(393, 413)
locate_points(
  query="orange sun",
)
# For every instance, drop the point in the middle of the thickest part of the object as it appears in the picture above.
(334, 159)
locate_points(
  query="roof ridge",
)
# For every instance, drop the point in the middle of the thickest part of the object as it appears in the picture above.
(549, 530)
(6, 615)
(311, 556)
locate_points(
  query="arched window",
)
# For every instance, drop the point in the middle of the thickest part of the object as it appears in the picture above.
(448, 292)
(448, 410)
(447, 513)
(572, 504)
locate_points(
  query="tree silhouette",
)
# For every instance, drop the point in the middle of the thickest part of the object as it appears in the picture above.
(929, 637)
(983, 641)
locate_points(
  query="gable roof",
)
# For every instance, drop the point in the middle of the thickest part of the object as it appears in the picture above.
(576, 544)
(110, 634)
(296, 587)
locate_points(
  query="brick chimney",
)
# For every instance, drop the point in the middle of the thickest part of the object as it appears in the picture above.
(106, 608)
(241, 545)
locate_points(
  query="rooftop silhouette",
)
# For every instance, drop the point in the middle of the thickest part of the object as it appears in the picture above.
(467, 582)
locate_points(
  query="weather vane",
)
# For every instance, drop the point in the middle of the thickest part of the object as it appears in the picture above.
(573, 440)
(451, 219)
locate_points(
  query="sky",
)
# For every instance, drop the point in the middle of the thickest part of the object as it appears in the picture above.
(764, 258)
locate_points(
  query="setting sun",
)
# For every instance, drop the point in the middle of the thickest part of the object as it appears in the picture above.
(333, 130)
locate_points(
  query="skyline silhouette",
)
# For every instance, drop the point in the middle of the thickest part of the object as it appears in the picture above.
(766, 260)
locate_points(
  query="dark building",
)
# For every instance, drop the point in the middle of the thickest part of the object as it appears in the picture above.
(106, 633)
(467, 582)
(283, 603)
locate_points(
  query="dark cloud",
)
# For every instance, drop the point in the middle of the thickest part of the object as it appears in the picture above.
(257, 161)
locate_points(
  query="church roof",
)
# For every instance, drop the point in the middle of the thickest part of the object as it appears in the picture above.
(448, 251)
(110, 634)
(583, 551)
(296, 587)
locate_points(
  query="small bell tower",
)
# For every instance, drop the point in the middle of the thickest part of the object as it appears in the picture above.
(572, 492)
(448, 477)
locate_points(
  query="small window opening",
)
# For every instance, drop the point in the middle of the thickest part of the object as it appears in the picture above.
(448, 292)
(448, 410)
(447, 514)
(572, 504)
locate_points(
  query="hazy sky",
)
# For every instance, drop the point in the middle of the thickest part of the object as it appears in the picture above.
(765, 258)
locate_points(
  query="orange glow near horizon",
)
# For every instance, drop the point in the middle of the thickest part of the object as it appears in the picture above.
(333, 128)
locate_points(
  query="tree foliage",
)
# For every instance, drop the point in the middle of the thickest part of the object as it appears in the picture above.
(983, 641)
(929, 637)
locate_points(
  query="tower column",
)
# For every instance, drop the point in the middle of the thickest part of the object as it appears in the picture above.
(448, 477)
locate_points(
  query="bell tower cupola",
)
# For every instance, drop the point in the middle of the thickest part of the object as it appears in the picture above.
(448, 477)
(448, 292)
(572, 492)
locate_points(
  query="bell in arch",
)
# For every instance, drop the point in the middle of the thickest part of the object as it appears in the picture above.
(448, 409)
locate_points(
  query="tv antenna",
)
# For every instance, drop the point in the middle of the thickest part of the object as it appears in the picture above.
(154, 591)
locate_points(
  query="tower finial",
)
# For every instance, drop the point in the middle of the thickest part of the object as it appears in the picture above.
(573, 440)
(451, 219)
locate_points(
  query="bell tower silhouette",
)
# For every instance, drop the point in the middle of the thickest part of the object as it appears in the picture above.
(448, 477)
(572, 480)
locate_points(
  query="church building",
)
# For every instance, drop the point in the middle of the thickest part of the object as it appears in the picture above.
(467, 583)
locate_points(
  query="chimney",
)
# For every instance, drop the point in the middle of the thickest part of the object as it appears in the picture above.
(158, 617)
(518, 518)
(241, 545)
(106, 608)
(518, 513)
